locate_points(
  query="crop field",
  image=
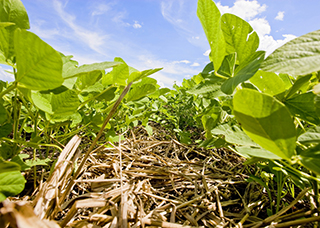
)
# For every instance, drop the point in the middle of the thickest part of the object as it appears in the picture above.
(103, 145)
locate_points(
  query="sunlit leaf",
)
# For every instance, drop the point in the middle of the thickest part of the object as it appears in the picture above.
(299, 56)
(269, 83)
(243, 72)
(239, 37)
(39, 65)
(210, 18)
(11, 180)
(303, 106)
(266, 121)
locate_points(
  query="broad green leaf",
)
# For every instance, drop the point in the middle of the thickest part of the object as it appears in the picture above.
(120, 73)
(11, 180)
(75, 118)
(6, 45)
(12, 15)
(87, 68)
(139, 92)
(6, 129)
(311, 136)
(239, 37)
(300, 56)
(84, 80)
(233, 135)
(14, 11)
(249, 152)
(310, 158)
(243, 72)
(42, 101)
(301, 82)
(205, 88)
(266, 121)
(159, 93)
(108, 94)
(269, 83)
(39, 65)
(135, 76)
(311, 163)
(303, 106)
(3, 114)
(210, 18)
(197, 78)
(208, 68)
(25, 165)
(65, 103)
(228, 65)
(68, 65)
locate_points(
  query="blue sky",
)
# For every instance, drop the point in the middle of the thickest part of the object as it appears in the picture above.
(154, 33)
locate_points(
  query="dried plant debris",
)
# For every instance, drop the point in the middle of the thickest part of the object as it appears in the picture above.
(153, 182)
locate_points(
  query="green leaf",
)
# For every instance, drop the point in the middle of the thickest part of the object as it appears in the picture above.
(39, 65)
(239, 37)
(87, 79)
(312, 135)
(269, 83)
(210, 16)
(5, 129)
(87, 68)
(303, 106)
(11, 180)
(135, 76)
(42, 101)
(108, 94)
(120, 73)
(302, 81)
(243, 72)
(233, 134)
(3, 114)
(300, 56)
(65, 103)
(228, 65)
(310, 158)
(12, 15)
(138, 92)
(14, 11)
(266, 121)
(249, 152)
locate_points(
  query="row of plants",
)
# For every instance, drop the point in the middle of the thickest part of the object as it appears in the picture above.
(265, 109)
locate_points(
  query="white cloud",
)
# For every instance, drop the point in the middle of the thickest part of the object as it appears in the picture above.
(269, 44)
(261, 26)
(195, 64)
(101, 9)
(184, 61)
(172, 13)
(245, 9)
(119, 18)
(249, 11)
(172, 71)
(93, 39)
(207, 53)
(280, 16)
(5, 76)
(136, 25)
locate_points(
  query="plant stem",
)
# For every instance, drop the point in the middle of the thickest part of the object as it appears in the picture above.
(9, 89)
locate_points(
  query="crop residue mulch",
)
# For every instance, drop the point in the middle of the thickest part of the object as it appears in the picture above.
(153, 182)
